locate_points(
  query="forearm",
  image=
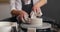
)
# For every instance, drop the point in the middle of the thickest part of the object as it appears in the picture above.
(15, 12)
(15, 7)
(41, 3)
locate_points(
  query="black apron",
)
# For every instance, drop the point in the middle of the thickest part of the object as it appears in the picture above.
(28, 7)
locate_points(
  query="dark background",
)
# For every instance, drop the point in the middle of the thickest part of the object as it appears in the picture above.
(52, 10)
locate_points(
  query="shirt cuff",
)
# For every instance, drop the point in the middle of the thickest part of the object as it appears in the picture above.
(16, 9)
(13, 9)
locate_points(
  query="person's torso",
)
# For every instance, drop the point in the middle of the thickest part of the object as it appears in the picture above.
(27, 7)
(19, 4)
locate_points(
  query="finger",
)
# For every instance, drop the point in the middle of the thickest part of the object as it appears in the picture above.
(23, 20)
(19, 18)
(38, 9)
(34, 9)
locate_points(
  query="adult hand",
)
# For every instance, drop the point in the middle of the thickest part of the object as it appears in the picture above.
(23, 15)
(36, 8)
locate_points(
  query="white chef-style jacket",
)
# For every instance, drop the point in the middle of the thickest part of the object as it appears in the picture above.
(17, 4)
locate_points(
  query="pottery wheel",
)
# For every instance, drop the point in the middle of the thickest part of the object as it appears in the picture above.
(44, 26)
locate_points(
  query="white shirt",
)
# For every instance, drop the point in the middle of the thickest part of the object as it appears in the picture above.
(17, 4)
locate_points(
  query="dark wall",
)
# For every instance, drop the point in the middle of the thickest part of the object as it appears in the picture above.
(52, 10)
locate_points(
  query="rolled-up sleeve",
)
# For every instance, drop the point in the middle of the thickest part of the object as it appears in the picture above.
(16, 4)
(12, 4)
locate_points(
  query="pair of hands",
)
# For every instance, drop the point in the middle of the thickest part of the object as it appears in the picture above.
(35, 8)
